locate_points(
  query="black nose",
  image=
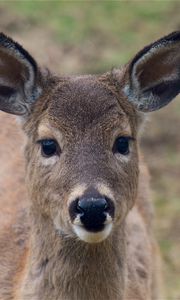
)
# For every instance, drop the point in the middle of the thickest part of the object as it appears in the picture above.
(93, 212)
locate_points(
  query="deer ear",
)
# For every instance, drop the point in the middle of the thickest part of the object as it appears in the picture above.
(154, 74)
(19, 78)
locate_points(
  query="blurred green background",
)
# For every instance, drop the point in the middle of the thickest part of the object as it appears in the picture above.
(94, 36)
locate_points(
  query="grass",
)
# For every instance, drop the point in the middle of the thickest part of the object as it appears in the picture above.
(116, 28)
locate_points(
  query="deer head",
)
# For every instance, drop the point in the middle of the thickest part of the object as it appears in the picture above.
(82, 146)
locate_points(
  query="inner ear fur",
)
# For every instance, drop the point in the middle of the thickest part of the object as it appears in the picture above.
(19, 78)
(154, 74)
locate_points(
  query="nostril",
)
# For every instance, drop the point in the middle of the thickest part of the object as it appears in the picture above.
(79, 209)
(75, 209)
(107, 206)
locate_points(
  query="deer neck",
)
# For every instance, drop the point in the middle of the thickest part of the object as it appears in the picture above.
(62, 268)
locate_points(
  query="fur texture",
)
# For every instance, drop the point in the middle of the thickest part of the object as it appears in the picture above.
(41, 256)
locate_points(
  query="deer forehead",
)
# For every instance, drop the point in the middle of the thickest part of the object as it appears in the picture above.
(81, 104)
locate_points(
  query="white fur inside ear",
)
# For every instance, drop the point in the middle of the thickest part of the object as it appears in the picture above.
(135, 95)
(142, 93)
(32, 91)
(133, 90)
(20, 78)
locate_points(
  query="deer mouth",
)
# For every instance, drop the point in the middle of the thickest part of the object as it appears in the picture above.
(90, 236)
(92, 214)
(95, 233)
(92, 218)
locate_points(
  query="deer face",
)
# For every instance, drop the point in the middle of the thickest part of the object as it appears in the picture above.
(82, 162)
(82, 158)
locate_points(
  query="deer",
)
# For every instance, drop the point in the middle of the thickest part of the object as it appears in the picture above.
(86, 230)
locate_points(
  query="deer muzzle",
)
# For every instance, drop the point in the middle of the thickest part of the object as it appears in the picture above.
(92, 217)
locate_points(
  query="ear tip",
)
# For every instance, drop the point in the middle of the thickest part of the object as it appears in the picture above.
(16, 49)
(4, 39)
(171, 37)
(2, 34)
(7, 42)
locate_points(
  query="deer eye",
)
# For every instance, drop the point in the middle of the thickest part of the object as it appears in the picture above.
(121, 145)
(49, 147)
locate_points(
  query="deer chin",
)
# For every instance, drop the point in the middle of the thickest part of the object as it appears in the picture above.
(92, 237)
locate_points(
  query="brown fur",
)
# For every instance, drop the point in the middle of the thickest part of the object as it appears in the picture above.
(60, 269)
(41, 257)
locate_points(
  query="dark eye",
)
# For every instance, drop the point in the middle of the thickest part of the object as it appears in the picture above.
(121, 145)
(49, 147)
